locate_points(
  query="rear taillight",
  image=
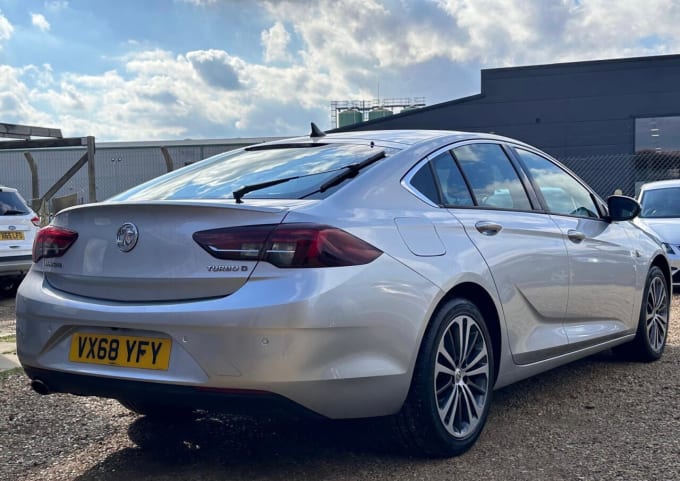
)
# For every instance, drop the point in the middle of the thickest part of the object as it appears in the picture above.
(52, 241)
(36, 221)
(288, 245)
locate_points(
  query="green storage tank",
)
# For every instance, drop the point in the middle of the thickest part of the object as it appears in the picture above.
(349, 117)
(379, 113)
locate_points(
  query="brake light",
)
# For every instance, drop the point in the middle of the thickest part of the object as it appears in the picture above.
(52, 241)
(288, 245)
(36, 221)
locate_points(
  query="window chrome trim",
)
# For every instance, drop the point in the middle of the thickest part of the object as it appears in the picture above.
(406, 180)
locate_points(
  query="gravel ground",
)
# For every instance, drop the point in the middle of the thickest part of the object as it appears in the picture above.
(596, 419)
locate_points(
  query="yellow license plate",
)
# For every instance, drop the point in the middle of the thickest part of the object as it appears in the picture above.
(125, 351)
(11, 235)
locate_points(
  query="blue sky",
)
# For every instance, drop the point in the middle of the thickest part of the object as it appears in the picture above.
(173, 69)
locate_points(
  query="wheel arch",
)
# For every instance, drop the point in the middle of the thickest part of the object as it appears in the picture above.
(484, 302)
(662, 263)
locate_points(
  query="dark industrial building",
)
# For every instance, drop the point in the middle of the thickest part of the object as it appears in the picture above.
(615, 122)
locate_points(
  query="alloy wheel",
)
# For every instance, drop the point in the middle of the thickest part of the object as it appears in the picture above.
(461, 377)
(656, 313)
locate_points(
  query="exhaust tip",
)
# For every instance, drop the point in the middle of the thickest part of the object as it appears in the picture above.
(40, 387)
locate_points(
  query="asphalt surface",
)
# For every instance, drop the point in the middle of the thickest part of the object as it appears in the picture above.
(596, 419)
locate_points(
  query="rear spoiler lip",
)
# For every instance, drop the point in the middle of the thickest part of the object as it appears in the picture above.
(257, 205)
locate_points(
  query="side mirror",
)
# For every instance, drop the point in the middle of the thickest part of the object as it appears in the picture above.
(622, 208)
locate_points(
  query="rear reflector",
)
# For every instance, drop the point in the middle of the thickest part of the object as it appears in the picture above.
(52, 241)
(288, 245)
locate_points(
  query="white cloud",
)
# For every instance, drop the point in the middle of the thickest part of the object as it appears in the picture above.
(6, 29)
(56, 5)
(16, 97)
(42, 77)
(216, 68)
(373, 33)
(275, 42)
(425, 48)
(199, 3)
(39, 20)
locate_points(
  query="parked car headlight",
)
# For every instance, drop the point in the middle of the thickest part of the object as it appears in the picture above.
(667, 246)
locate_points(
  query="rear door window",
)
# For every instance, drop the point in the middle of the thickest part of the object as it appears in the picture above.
(492, 177)
(454, 190)
(440, 181)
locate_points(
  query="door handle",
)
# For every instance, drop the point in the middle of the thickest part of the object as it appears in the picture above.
(488, 228)
(575, 236)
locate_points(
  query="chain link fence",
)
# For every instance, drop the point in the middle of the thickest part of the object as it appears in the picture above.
(608, 174)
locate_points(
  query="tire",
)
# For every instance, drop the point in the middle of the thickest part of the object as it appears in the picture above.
(652, 330)
(447, 406)
(9, 289)
(158, 411)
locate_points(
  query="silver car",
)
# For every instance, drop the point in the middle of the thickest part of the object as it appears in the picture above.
(390, 273)
(660, 213)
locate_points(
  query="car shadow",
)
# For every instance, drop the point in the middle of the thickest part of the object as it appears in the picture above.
(220, 446)
(223, 437)
(247, 448)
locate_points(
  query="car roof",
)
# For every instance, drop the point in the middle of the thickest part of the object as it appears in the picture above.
(404, 137)
(7, 189)
(660, 184)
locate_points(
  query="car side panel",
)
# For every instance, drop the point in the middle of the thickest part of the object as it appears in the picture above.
(648, 248)
(603, 283)
(528, 261)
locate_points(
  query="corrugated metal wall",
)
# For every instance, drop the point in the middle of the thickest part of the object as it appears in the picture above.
(116, 168)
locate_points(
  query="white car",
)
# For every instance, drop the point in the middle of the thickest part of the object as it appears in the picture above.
(660, 213)
(18, 226)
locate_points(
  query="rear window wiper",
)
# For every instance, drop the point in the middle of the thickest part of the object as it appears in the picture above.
(239, 193)
(350, 171)
(14, 212)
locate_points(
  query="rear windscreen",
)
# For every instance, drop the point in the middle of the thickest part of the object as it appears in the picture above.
(11, 204)
(218, 177)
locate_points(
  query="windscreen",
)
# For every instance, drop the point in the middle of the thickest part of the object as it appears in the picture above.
(218, 177)
(660, 203)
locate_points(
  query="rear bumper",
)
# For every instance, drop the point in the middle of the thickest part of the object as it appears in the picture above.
(15, 266)
(232, 401)
(340, 342)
